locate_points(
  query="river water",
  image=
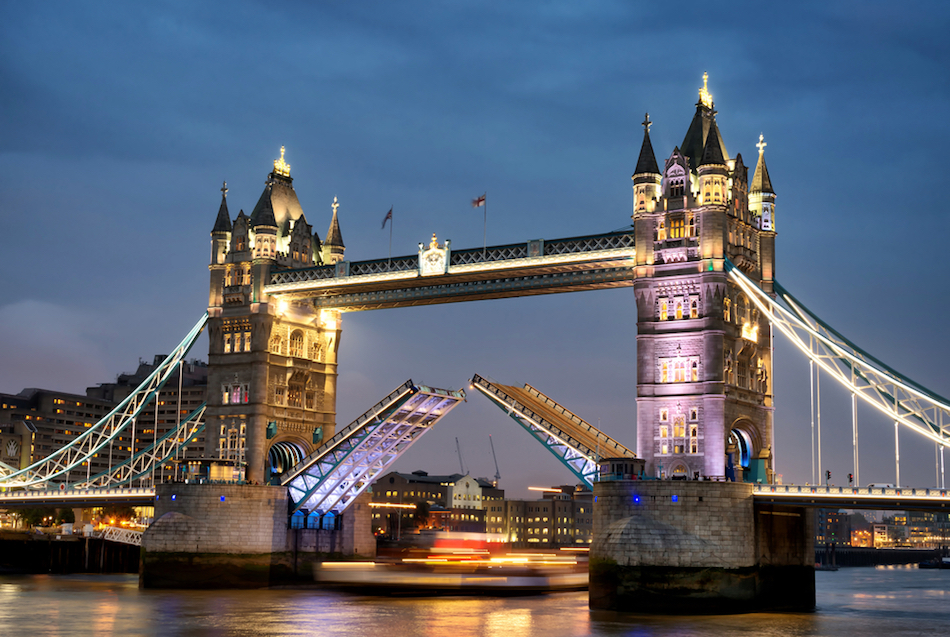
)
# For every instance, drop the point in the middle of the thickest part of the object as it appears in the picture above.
(856, 601)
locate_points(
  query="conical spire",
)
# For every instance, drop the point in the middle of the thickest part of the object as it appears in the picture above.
(334, 237)
(712, 149)
(223, 221)
(263, 214)
(761, 181)
(646, 164)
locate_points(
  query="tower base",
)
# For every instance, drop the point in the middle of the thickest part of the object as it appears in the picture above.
(683, 547)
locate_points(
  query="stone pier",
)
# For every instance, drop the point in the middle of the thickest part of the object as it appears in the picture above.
(682, 547)
(237, 536)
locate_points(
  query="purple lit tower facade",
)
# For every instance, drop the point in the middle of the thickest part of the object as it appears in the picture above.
(704, 368)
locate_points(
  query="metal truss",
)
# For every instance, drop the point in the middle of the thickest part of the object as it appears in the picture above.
(520, 285)
(574, 442)
(888, 391)
(143, 463)
(97, 438)
(330, 478)
(125, 536)
(324, 283)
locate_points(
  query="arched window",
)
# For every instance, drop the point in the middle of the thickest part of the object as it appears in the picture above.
(664, 309)
(296, 344)
(694, 308)
(694, 371)
(275, 344)
(661, 231)
(228, 274)
(679, 309)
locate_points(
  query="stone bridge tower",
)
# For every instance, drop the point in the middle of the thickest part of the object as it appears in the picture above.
(272, 363)
(704, 354)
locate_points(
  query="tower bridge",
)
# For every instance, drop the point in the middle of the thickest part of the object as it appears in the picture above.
(699, 258)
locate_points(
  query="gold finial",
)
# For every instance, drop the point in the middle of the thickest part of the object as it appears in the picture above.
(280, 166)
(224, 189)
(334, 205)
(704, 97)
(761, 145)
(647, 123)
(434, 243)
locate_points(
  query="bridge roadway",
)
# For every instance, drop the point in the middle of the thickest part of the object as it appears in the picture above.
(873, 498)
(442, 275)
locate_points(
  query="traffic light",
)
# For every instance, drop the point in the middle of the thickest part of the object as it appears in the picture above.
(850, 478)
(827, 475)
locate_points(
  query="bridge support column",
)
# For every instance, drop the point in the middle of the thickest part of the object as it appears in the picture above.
(237, 536)
(680, 547)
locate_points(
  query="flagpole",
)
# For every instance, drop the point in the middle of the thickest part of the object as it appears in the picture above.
(485, 228)
(389, 263)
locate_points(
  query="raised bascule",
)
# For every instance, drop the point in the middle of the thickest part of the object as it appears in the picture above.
(692, 520)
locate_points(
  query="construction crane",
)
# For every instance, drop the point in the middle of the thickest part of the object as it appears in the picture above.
(458, 448)
(495, 458)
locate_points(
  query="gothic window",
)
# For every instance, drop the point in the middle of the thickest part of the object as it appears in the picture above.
(679, 310)
(661, 231)
(227, 343)
(309, 400)
(690, 226)
(247, 275)
(664, 449)
(693, 413)
(664, 431)
(694, 308)
(664, 415)
(294, 396)
(726, 306)
(676, 228)
(316, 351)
(279, 394)
(247, 341)
(664, 309)
(296, 344)
(679, 427)
(665, 372)
(694, 371)
(677, 448)
(693, 431)
(228, 274)
(275, 344)
(677, 187)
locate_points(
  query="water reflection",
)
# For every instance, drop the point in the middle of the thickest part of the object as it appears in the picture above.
(851, 601)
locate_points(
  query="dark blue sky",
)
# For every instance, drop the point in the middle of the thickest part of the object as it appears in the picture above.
(119, 123)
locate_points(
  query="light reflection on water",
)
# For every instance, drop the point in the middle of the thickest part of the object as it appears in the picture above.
(851, 602)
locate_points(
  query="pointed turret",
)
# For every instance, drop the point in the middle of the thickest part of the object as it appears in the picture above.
(221, 232)
(761, 181)
(646, 163)
(694, 144)
(646, 177)
(223, 222)
(333, 247)
(712, 150)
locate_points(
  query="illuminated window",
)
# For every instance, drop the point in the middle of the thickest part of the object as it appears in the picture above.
(679, 428)
(665, 372)
(247, 341)
(690, 226)
(693, 431)
(677, 187)
(664, 309)
(693, 413)
(275, 344)
(661, 231)
(279, 393)
(664, 448)
(296, 344)
(694, 307)
(679, 310)
(247, 275)
(309, 400)
(227, 343)
(677, 227)
(694, 371)
(664, 415)
(726, 306)
(228, 276)
(677, 448)
(664, 431)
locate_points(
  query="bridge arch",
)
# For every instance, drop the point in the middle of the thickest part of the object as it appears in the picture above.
(744, 438)
(285, 453)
